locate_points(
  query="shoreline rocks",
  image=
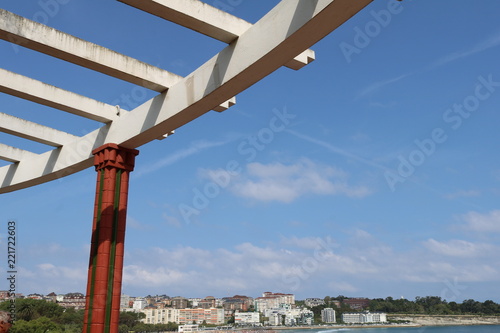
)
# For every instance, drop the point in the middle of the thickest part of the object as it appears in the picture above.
(446, 320)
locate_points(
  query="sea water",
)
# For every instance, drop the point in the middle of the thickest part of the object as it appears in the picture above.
(423, 329)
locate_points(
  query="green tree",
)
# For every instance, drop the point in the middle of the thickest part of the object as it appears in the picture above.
(130, 319)
(39, 325)
(122, 328)
(48, 309)
(490, 307)
(25, 309)
(471, 306)
(71, 316)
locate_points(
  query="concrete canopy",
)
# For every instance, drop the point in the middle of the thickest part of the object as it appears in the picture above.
(296, 26)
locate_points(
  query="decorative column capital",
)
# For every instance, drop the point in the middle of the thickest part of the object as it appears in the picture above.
(113, 155)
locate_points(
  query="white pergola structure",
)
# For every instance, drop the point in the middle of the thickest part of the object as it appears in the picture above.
(280, 38)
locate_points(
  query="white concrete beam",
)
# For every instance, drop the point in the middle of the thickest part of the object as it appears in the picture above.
(195, 15)
(13, 154)
(33, 131)
(208, 20)
(41, 38)
(296, 25)
(42, 93)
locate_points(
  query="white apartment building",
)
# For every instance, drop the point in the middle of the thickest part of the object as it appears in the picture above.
(160, 316)
(273, 300)
(364, 317)
(198, 316)
(328, 315)
(124, 301)
(194, 302)
(246, 317)
(139, 304)
(289, 316)
(274, 319)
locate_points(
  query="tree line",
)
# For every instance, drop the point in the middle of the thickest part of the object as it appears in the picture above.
(33, 316)
(434, 305)
(429, 305)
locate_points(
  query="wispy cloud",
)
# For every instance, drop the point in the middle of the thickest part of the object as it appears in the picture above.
(460, 248)
(380, 84)
(195, 148)
(483, 45)
(339, 151)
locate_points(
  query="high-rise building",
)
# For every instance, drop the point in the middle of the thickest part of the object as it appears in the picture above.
(328, 315)
(271, 300)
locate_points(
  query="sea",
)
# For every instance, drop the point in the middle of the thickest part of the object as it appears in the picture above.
(423, 329)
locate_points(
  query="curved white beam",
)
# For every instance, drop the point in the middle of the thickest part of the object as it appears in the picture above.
(208, 20)
(19, 30)
(296, 25)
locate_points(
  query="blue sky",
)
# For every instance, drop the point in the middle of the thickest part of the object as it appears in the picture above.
(374, 171)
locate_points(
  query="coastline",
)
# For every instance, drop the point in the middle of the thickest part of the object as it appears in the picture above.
(453, 322)
(316, 327)
(447, 320)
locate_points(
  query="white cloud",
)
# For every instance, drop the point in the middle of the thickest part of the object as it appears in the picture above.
(489, 222)
(288, 266)
(159, 276)
(48, 277)
(291, 264)
(286, 183)
(460, 248)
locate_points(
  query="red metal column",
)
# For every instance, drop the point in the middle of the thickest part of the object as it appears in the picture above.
(113, 165)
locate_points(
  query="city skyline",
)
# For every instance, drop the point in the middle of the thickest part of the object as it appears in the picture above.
(372, 171)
